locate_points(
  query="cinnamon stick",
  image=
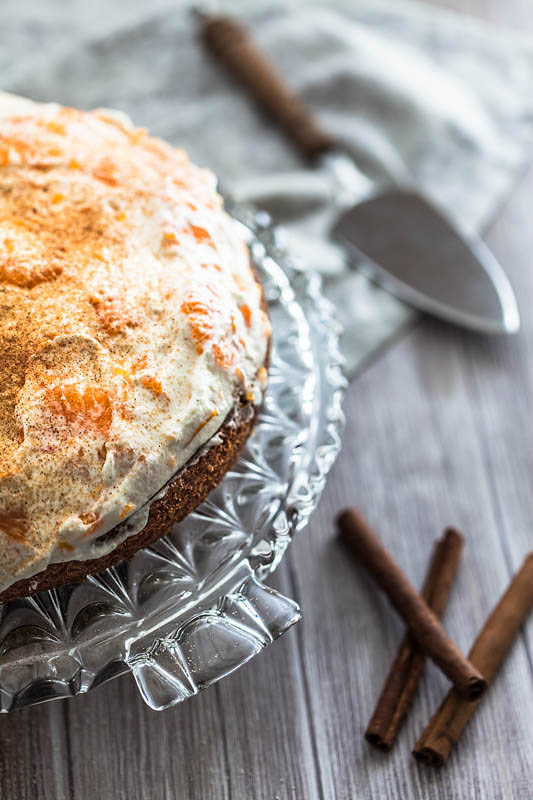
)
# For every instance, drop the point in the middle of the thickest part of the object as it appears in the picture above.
(420, 619)
(408, 665)
(487, 653)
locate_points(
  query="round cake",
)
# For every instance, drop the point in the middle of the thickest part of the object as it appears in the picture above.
(133, 341)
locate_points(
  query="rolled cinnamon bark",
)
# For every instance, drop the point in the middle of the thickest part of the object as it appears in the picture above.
(408, 665)
(487, 653)
(420, 619)
(234, 46)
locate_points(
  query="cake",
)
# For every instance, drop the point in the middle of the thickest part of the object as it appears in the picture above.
(134, 341)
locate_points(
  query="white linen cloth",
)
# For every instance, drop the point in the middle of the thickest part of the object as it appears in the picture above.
(413, 92)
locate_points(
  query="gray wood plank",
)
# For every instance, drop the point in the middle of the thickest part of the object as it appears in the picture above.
(34, 754)
(141, 754)
(436, 434)
(413, 462)
(503, 394)
(248, 738)
(438, 431)
(267, 724)
(438, 425)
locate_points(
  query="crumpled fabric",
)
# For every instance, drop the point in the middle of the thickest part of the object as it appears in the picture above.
(414, 94)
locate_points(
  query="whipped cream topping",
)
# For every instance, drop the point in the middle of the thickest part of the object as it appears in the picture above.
(130, 321)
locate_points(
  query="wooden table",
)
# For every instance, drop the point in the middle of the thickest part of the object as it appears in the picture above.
(439, 431)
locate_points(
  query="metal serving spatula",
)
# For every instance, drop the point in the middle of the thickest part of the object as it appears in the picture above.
(398, 238)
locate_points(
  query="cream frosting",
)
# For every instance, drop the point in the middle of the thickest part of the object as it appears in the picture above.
(130, 320)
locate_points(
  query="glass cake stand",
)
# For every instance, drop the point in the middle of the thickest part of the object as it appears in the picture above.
(193, 607)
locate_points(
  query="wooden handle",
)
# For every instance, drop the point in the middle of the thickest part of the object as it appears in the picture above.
(232, 44)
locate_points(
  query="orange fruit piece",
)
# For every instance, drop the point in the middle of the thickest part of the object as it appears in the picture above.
(13, 525)
(199, 322)
(90, 408)
(246, 313)
(223, 357)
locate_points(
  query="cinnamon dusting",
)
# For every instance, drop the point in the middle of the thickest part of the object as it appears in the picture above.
(84, 298)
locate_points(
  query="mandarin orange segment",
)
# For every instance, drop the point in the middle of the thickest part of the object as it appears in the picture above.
(14, 525)
(149, 382)
(200, 234)
(23, 149)
(246, 313)
(89, 409)
(56, 127)
(139, 363)
(114, 314)
(105, 171)
(223, 355)
(169, 237)
(18, 273)
(199, 322)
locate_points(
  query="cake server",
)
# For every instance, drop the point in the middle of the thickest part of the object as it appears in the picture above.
(395, 235)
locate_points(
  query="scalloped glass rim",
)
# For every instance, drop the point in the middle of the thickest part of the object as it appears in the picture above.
(192, 608)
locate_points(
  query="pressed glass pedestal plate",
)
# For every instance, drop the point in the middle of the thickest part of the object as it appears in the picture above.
(193, 607)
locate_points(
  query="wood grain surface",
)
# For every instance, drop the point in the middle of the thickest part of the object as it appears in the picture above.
(438, 432)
